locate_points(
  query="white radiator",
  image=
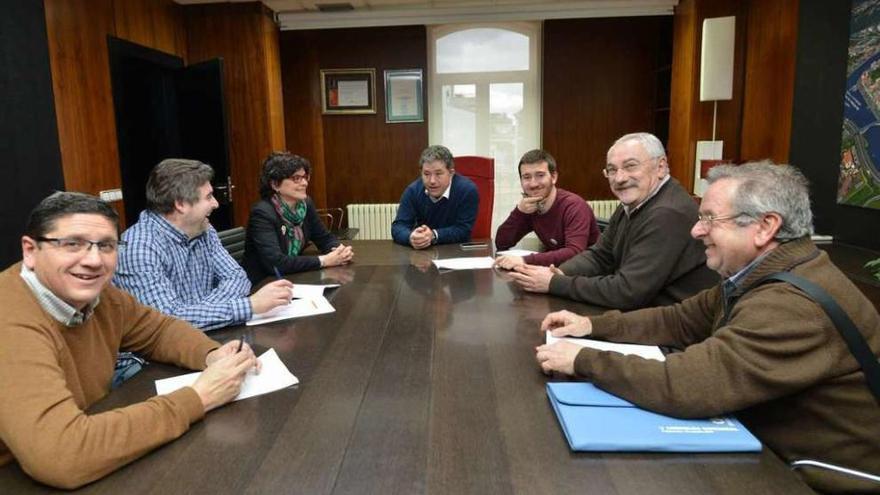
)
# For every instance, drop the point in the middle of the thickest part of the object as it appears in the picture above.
(603, 208)
(374, 221)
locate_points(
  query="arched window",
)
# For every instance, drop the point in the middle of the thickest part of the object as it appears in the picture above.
(484, 97)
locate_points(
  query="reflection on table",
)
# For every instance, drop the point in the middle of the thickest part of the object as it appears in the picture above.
(420, 382)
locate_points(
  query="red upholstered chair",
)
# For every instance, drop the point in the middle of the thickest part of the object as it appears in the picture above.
(481, 170)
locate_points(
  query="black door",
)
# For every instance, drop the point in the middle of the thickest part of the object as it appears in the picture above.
(202, 123)
(165, 110)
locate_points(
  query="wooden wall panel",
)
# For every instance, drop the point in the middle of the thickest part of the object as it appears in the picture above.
(77, 33)
(690, 119)
(157, 24)
(756, 123)
(599, 83)
(272, 56)
(363, 159)
(769, 82)
(240, 35)
(303, 122)
(685, 76)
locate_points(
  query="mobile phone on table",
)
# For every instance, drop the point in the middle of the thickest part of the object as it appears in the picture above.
(473, 245)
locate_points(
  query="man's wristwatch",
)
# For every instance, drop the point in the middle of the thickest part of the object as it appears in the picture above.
(433, 236)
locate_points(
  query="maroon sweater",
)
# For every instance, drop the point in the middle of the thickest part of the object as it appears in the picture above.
(565, 230)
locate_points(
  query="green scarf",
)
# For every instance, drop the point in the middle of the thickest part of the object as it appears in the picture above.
(291, 223)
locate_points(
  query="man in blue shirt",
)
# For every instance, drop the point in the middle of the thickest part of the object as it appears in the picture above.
(439, 208)
(174, 260)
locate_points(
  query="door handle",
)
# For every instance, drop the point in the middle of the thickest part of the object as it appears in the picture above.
(225, 190)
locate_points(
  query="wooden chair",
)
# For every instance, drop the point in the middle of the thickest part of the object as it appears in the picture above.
(332, 218)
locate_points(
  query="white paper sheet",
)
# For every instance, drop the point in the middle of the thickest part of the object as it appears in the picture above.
(515, 252)
(296, 309)
(465, 263)
(645, 351)
(273, 376)
(353, 93)
(309, 291)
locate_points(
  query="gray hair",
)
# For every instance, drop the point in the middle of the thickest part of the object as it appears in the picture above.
(649, 142)
(176, 179)
(61, 204)
(437, 153)
(764, 187)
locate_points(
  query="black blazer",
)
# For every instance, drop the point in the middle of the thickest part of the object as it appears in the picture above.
(263, 247)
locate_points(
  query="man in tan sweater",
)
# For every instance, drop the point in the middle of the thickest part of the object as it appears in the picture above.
(62, 327)
(765, 351)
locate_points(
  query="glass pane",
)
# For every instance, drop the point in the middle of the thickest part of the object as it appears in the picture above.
(506, 140)
(482, 50)
(460, 118)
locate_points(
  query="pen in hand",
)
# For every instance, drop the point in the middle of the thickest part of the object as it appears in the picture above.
(279, 277)
(240, 343)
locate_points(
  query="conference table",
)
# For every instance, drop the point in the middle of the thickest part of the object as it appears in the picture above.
(419, 382)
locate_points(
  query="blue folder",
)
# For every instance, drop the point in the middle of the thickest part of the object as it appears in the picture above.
(595, 421)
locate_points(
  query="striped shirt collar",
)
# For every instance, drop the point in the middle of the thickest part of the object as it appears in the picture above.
(735, 280)
(58, 309)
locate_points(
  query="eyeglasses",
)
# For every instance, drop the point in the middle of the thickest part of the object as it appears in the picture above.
(75, 245)
(298, 179)
(708, 219)
(629, 168)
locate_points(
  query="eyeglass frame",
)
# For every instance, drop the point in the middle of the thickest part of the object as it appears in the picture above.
(707, 220)
(628, 168)
(298, 179)
(83, 245)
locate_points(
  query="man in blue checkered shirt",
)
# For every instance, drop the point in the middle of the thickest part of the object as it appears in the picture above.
(174, 260)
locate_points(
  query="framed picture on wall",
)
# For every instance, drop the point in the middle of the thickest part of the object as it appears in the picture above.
(403, 96)
(348, 91)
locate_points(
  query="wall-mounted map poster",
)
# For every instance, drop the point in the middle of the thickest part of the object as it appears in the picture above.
(859, 183)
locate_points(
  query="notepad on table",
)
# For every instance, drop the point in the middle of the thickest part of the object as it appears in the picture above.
(473, 263)
(522, 253)
(273, 376)
(645, 351)
(311, 291)
(296, 309)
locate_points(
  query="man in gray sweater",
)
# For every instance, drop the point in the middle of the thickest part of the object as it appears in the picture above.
(646, 256)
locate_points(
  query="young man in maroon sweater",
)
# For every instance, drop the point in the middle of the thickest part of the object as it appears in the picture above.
(562, 220)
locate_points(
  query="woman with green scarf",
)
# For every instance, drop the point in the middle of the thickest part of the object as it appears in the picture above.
(283, 223)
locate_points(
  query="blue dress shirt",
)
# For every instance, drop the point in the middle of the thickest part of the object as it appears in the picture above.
(192, 279)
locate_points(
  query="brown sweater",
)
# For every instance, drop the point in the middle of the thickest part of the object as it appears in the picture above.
(778, 363)
(645, 259)
(50, 374)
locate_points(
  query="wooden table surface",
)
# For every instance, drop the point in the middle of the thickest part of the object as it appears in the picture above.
(420, 382)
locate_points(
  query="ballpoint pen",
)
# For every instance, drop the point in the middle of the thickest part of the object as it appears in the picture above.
(278, 275)
(241, 342)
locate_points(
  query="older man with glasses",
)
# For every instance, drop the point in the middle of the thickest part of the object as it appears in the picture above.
(63, 324)
(754, 345)
(645, 257)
